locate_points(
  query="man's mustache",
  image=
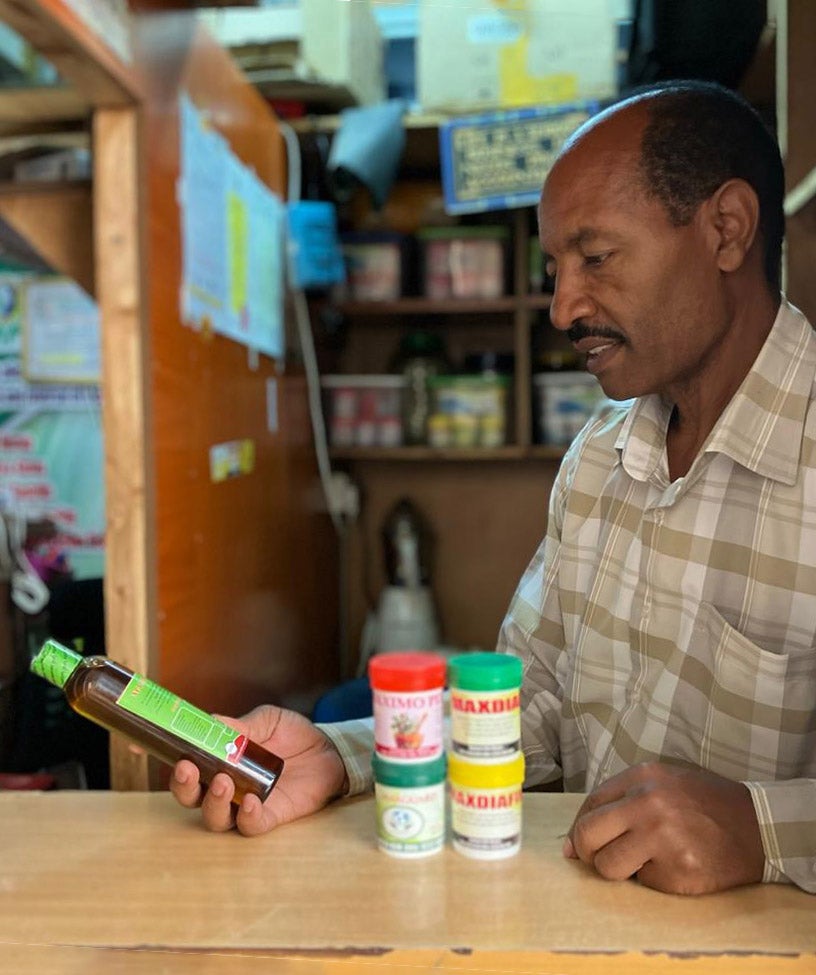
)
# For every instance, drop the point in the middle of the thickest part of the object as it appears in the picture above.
(578, 331)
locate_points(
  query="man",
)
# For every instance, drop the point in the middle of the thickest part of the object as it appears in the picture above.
(667, 623)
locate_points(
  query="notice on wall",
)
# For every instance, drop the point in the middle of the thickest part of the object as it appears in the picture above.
(233, 241)
(61, 341)
(498, 161)
(51, 444)
(231, 459)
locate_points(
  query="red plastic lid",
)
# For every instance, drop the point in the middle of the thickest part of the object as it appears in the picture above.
(414, 670)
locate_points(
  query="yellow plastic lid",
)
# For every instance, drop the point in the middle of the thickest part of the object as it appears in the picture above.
(498, 776)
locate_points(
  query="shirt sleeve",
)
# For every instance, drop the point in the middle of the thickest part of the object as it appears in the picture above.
(355, 742)
(785, 813)
(533, 630)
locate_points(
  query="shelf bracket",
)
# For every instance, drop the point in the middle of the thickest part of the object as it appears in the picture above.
(55, 220)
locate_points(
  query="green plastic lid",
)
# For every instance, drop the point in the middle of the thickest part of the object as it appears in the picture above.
(408, 775)
(55, 662)
(484, 671)
(422, 342)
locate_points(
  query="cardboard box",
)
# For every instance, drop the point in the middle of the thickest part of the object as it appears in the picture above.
(288, 49)
(486, 54)
(342, 44)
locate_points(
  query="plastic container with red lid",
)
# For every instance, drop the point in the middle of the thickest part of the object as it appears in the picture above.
(407, 695)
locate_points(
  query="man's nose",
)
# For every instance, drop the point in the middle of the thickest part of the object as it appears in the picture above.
(570, 301)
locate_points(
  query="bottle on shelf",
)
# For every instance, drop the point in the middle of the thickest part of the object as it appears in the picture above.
(111, 695)
(420, 357)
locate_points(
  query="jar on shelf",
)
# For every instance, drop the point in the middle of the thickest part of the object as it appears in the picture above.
(420, 357)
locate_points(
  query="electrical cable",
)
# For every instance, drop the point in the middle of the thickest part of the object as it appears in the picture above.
(337, 511)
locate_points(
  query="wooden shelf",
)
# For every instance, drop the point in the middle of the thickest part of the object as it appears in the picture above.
(37, 189)
(444, 306)
(447, 454)
(40, 109)
(84, 59)
(331, 123)
(429, 306)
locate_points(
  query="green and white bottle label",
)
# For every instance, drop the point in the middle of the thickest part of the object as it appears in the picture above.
(166, 710)
(55, 663)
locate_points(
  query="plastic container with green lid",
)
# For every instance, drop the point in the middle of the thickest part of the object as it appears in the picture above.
(410, 803)
(408, 775)
(485, 710)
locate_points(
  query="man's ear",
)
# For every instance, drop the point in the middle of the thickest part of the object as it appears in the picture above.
(734, 213)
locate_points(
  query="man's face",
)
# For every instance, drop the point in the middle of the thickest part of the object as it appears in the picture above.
(638, 296)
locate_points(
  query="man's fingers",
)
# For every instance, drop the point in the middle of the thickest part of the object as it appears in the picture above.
(595, 829)
(216, 807)
(622, 858)
(185, 784)
(253, 818)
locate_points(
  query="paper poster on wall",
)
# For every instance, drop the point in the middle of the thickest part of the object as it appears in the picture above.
(201, 199)
(231, 459)
(498, 161)
(233, 241)
(60, 332)
(255, 245)
(51, 445)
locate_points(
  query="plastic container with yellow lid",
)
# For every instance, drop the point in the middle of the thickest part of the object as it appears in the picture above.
(485, 807)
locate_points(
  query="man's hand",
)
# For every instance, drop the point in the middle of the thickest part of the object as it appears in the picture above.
(313, 775)
(679, 830)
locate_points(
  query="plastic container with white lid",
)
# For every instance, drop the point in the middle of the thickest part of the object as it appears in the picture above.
(364, 410)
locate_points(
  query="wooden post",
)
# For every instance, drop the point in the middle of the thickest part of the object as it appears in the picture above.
(130, 583)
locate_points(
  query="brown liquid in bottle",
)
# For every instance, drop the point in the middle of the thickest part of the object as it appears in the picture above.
(93, 689)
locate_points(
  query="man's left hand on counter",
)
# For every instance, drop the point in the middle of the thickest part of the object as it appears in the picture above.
(679, 830)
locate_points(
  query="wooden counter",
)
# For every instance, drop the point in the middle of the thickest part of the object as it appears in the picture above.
(130, 882)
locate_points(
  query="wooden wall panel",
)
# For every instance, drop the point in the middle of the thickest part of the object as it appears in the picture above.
(246, 568)
(801, 154)
(487, 519)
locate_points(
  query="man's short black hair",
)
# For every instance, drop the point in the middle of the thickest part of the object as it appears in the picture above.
(699, 135)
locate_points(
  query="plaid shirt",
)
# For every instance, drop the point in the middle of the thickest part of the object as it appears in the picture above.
(676, 621)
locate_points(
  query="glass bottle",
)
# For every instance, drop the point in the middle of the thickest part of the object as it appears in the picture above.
(111, 695)
(421, 356)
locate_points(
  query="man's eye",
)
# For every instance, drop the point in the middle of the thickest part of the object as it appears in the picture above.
(595, 260)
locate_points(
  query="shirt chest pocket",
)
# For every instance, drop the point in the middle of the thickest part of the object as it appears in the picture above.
(761, 709)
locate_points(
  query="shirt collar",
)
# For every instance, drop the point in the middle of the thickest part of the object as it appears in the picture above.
(762, 426)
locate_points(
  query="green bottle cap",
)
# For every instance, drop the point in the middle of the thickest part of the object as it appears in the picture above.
(55, 662)
(408, 775)
(484, 671)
